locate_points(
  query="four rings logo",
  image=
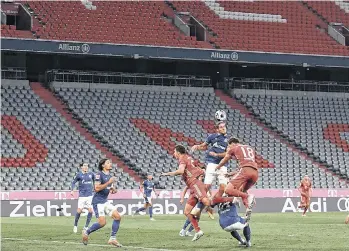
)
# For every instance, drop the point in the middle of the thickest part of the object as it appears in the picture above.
(343, 204)
(84, 48)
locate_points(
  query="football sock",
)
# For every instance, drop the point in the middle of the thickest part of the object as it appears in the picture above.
(305, 209)
(93, 228)
(140, 209)
(186, 224)
(115, 228)
(191, 228)
(77, 217)
(88, 220)
(151, 212)
(194, 222)
(247, 233)
(237, 236)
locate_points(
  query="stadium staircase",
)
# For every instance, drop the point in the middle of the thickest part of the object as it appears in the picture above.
(209, 30)
(248, 112)
(49, 98)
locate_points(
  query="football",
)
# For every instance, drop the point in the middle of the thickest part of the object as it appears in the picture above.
(221, 115)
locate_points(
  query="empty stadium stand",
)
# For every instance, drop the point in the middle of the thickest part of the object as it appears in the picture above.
(132, 22)
(11, 31)
(143, 123)
(331, 11)
(315, 122)
(40, 148)
(284, 26)
(270, 26)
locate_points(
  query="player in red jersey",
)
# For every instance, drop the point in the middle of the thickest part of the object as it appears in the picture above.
(198, 191)
(247, 174)
(305, 190)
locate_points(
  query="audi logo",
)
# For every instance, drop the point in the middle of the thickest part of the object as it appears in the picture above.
(343, 204)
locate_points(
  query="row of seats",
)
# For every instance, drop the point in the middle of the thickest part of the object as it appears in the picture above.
(331, 11)
(11, 31)
(112, 22)
(150, 123)
(270, 26)
(318, 124)
(143, 126)
(40, 149)
(297, 34)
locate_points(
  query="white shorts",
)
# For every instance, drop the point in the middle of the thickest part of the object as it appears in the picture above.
(212, 173)
(85, 202)
(103, 209)
(235, 226)
(147, 200)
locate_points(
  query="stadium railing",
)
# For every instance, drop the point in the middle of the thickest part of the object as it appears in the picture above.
(284, 84)
(13, 73)
(56, 75)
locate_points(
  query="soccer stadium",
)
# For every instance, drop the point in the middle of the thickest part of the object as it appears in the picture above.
(175, 125)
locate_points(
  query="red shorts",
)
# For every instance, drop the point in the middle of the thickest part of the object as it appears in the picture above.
(245, 178)
(198, 192)
(305, 200)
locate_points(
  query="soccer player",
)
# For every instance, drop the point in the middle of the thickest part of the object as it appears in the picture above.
(85, 179)
(104, 184)
(247, 175)
(305, 190)
(198, 191)
(147, 188)
(347, 219)
(230, 221)
(216, 146)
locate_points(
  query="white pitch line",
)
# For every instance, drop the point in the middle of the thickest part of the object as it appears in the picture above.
(76, 243)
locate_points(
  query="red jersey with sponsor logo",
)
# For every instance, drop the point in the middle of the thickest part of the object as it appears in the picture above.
(244, 154)
(191, 172)
(305, 185)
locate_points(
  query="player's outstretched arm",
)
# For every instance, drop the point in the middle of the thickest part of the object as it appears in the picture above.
(223, 161)
(179, 171)
(219, 155)
(201, 147)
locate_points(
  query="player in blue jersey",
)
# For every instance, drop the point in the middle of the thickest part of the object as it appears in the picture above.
(147, 187)
(104, 184)
(85, 180)
(215, 145)
(230, 221)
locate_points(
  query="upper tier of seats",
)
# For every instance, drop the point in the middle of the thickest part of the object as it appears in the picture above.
(283, 26)
(270, 26)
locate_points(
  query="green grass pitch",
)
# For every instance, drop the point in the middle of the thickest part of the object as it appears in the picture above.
(281, 232)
